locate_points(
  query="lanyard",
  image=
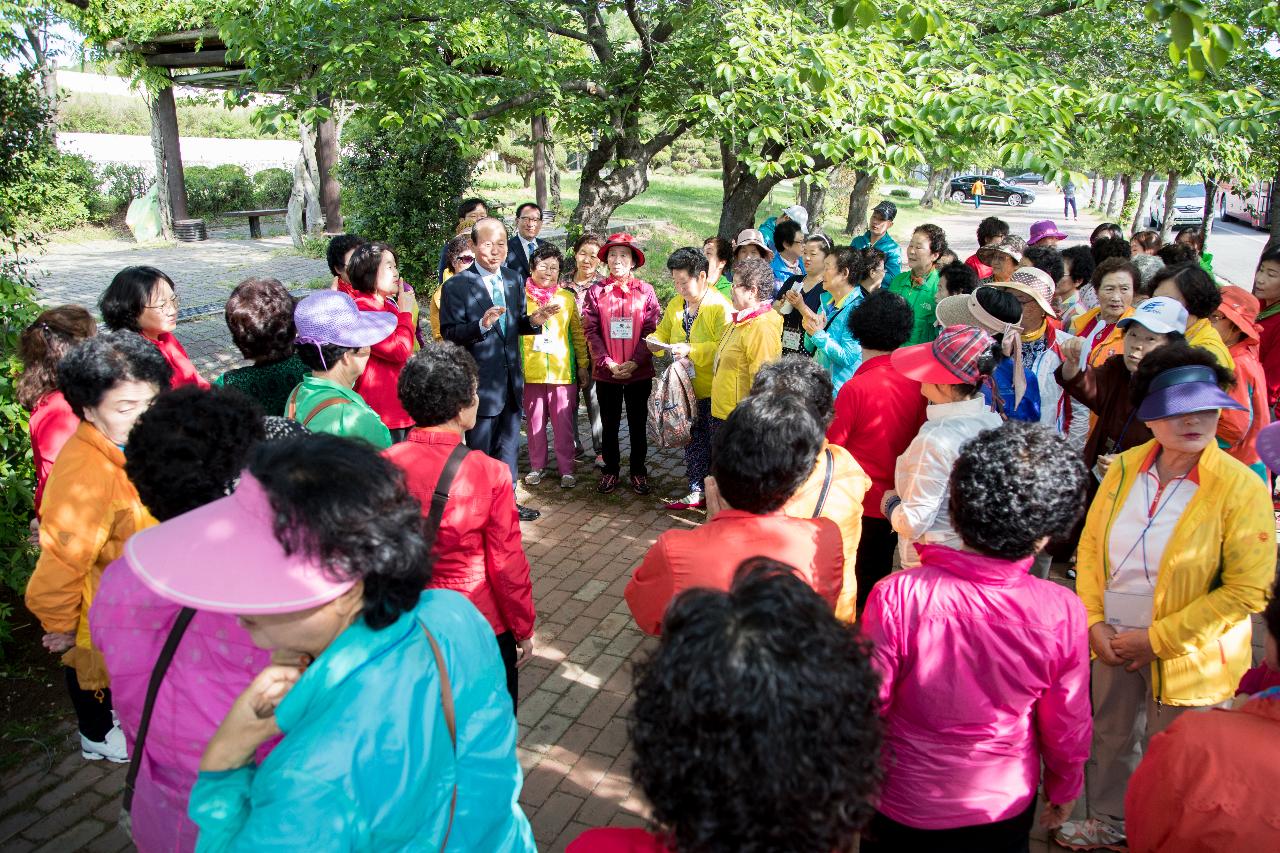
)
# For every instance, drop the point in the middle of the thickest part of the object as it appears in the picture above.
(1154, 508)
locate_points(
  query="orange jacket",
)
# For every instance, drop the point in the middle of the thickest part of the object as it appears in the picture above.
(1239, 429)
(89, 509)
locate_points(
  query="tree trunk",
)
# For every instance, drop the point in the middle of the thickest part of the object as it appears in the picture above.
(1126, 187)
(538, 128)
(557, 202)
(860, 202)
(1210, 208)
(304, 212)
(1099, 199)
(742, 200)
(1274, 195)
(943, 189)
(330, 189)
(172, 192)
(1170, 196)
(1109, 211)
(1093, 191)
(813, 197)
(601, 193)
(1139, 222)
(930, 189)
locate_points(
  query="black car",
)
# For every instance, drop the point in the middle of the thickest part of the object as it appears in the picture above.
(961, 189)
(1028, 178)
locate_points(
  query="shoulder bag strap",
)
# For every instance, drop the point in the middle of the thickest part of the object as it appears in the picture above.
(450, 721)
(291, 410)
(322, 405)
(157, 676)
(826, 482)
(441, 494)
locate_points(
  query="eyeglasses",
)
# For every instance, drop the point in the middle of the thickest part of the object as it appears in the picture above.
(530, 219)
(171, 302)
(466, 259)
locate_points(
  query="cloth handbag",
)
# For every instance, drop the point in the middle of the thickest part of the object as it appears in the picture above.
(673, 407)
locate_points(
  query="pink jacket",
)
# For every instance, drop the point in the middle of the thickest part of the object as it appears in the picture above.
(214, 663)
(986, 673)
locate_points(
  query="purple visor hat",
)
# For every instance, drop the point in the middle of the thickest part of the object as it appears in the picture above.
(332, 317)
(1183, 390)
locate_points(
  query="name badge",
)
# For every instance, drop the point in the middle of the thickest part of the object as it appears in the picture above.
(791, 339)
(545, 343)
(1128, 609)
(621, 328)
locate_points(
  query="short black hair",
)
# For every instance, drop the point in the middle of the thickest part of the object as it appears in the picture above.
(884, 319)
(343, 503)
(1271, 615)
(1047, 259)
(946, 257)
(521, 208)
(870, 258)
(1176, 354)
(1175, 254)
(338, 248)
(1106, 231)
(991, 228)
(849, 261)
(469, 204)
(259, 314)
(937, 237)
(1000, 303)
(756, 275)
(724, 248)
(764, 451)
(43, 344)
(96, 365)
(961, 278)
(1110, 265)
(1199, 292)
(589, 237)
(362, 272)
(545, 251)
(688, 259)
(759, 682)
(125, 298)
(190, 446)
(786, 233)
(1013, 486)
(1270, 252)
(802, 377)
(1082, 264)
(1111, 247)
(437, 382)
(1147, 240)
(321, 357)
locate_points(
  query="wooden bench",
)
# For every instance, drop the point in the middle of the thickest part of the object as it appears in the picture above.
(255, 219)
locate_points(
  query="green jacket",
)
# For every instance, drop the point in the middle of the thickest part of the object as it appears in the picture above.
(923, 301)
(350, 419)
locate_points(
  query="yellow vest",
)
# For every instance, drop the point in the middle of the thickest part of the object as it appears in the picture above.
(568, 352)
(744, 348)
(704, 337)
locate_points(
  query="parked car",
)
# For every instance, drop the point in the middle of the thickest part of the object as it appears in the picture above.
(961, 189)
(1028, 178)
(1188, 205)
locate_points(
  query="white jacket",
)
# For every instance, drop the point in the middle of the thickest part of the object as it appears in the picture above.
(1068, 417)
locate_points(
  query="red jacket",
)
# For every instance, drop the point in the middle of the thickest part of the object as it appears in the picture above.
(1269, 352)
(1250, 391)
(708, 556)
(979, 267)
(184, 372)
(618, 839)
(377, 385)
(608, 300)
(478, 549)
(52, 423)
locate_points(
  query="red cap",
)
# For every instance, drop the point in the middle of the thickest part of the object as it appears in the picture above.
(951, 359)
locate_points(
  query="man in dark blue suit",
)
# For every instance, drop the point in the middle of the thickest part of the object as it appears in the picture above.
(482, 308)
(525, 240)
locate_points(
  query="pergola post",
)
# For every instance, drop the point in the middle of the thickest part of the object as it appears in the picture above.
(168, 153)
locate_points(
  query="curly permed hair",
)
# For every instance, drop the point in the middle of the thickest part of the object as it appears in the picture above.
(756, 724)
(1014, 485)
(96, 365)
(259, 315)
(437, 382)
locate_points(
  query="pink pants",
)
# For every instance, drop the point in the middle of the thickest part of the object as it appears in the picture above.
(557, 403)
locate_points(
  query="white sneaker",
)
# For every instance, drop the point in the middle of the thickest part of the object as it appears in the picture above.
(533, 478)
(568, 481)
(112, 747)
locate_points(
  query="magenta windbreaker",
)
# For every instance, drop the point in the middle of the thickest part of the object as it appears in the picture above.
(213, 665)
(986, 674)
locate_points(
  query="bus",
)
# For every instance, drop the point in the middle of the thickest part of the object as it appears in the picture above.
(1251, 206)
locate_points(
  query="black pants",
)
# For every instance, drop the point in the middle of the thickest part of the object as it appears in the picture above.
(612, 396)
(499, 435)
(507, 646)
(875, 555)
(93, 708)
(1007, 836)
(399, 435)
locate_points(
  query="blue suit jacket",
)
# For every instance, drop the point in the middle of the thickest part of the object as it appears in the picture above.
(462, 305)
(516, 258)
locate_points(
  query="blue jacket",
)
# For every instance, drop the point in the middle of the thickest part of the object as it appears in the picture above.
(1029, 409)
(835, 347)
(892, 253)
(366, 762)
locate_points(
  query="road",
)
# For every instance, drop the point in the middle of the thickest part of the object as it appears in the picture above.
(1235, 249)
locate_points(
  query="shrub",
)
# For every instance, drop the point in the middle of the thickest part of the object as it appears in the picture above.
(900, 193)
(272, 187)
(403, 186)
(59, 190)
(211, 191)
(86, 112)
(122, 183)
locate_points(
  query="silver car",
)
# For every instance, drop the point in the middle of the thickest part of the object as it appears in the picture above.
(1188, 205)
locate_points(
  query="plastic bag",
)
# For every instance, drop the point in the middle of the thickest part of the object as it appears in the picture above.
(143, 216)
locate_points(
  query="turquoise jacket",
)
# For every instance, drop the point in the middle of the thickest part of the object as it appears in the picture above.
(366, 762)
(888, 245)
(835, 347)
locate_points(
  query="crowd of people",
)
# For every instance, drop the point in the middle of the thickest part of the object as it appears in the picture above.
(297, 599)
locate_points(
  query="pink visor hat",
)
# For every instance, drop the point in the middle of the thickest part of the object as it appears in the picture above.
(224, 557)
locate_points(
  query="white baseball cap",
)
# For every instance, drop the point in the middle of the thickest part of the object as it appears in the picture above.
(1160, 314)
(797, 214)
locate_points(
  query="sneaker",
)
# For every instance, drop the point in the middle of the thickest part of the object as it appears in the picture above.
(533, 478)
(112, 747)
(568, 481)
(599, 461)
(1071, 574)
(1091, 834)
(693, 500)
(640, 484)
(528, 513)
(608, 483)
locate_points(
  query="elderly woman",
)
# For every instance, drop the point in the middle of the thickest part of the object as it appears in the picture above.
(951, 371)
(753, 337)
(145, 300)
(1177, 552)
(470, 211)
(691, 327)
(985, 669)
(873, 270)
(1114, 281)
(338, 255)
(259, 314)
(818, 732)
(185, 451)
(808, 287)
(326, 570)
(376, 279)
(40, 348)
(1235, 321)
(918, 283)
(1014, 390)
(478, 550)
(750, 243)
(827, 332)
(1266, 286)
(459, 253)
(1199, 294)
(89, 509)
(618, 313)
(719, 253)
(586, 272)
(556, 361)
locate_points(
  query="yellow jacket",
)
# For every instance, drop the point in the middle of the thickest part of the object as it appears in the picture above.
(1110, 344)
(89, 509)
(1217, 568)
(744, 348)
(704, 337)
(569, 355)
(435, 308)
(843, 505)
(1201, 333)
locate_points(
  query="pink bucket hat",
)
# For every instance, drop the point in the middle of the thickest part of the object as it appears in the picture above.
(224, 557)
(1042, 229)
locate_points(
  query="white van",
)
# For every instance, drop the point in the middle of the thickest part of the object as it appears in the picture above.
(1188, 205)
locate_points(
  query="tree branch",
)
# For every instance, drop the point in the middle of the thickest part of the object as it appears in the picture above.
(599, 35)
(637, 24)
(662, 140)
(587, 87)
